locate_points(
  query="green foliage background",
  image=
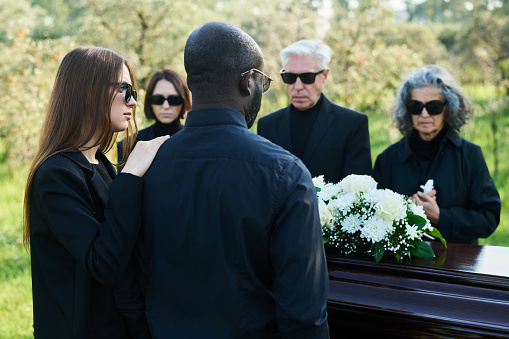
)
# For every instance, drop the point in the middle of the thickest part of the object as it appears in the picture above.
(374, 46)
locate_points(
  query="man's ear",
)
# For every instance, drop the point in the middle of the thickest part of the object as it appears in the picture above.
(245, 83)
(325, 73)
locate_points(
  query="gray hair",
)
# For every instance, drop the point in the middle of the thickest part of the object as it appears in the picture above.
(458, 109)
(315, 48)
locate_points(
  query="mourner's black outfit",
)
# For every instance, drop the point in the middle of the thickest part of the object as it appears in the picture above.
(81, 243)
(331, 140)
(231, 245)
(468, 199)
(158, 129)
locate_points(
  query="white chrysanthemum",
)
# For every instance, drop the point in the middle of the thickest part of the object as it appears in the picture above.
(389, 205)
(326, 219)
(351, 224)
(419, 210)
(412, 232)
(376, 229)
(328, 192)
(344, 202)
(354, 183)
(319, 182)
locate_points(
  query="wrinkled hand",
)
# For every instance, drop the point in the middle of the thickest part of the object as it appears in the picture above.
(428, 201)
(142, 156)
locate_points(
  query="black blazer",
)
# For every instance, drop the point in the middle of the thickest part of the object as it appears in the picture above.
(145, 134)
(153, 131)
(81, 242)
(338, 144)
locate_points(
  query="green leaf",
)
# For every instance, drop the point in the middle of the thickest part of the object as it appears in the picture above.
(421, 249)
(326, 239)
(436, 233)
(318, 189)
(379, 252)
(416, 220)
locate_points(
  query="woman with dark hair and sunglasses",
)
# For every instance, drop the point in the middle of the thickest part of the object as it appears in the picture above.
(459, 196)
(81, 219)
(167, 100)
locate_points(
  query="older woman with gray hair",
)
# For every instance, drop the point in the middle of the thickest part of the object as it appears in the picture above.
(459, 196)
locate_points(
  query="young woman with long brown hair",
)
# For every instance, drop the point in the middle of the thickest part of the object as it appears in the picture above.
(81, 220)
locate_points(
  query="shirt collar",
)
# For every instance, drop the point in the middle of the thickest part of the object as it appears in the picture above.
(215, 116)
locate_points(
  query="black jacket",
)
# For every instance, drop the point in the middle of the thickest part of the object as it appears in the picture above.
(468, 199)
(232, 244)
(338, 144)
(81, 242)
(153, 131)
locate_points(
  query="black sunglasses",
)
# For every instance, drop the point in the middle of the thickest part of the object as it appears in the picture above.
(306, 78)
(129, 91)
(173, 100)
(433, 107)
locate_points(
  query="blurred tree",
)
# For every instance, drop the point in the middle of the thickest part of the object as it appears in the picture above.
(27, 71)
(372, 52)
(18, 16)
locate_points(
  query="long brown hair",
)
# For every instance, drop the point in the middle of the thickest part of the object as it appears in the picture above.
(79, 109)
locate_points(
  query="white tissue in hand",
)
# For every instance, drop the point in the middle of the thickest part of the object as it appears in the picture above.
(428, 187)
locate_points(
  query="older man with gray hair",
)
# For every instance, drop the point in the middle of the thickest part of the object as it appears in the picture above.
(331, 140)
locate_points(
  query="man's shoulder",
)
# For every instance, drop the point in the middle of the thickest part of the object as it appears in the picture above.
(266, 153)
(273, 115)
(343, 111)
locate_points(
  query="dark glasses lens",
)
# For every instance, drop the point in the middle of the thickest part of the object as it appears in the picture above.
(265, 83)
(173, 100)
(129, 91)
(433, 107)
(306, 78)
(265, 80)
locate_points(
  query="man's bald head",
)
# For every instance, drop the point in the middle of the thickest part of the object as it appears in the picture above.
(215, 55)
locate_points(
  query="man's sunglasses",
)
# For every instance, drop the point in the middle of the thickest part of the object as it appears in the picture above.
(306, 78)
(266, 78)
(433, 107)
(129, 91)
(173, 100)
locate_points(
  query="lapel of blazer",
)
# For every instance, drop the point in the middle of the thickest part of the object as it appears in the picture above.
(93, 177)
(323, 122)
(100, 187)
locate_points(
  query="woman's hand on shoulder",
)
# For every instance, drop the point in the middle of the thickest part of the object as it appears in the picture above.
(142, 156)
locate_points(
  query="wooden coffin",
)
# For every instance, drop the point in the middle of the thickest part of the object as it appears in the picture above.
(463, 293)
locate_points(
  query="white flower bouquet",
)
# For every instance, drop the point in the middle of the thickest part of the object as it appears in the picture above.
(356, 216)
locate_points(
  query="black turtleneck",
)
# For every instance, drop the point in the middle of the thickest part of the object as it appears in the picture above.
(161, 129)
(426, 151)
(301, 124)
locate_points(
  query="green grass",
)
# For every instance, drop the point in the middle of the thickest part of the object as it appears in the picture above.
(15, 281)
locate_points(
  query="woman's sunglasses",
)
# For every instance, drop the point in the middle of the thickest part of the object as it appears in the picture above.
(306, 78)
(433, 107)
(173, 100)
(129, 91)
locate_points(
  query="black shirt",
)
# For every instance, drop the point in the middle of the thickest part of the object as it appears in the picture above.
(101, 169)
